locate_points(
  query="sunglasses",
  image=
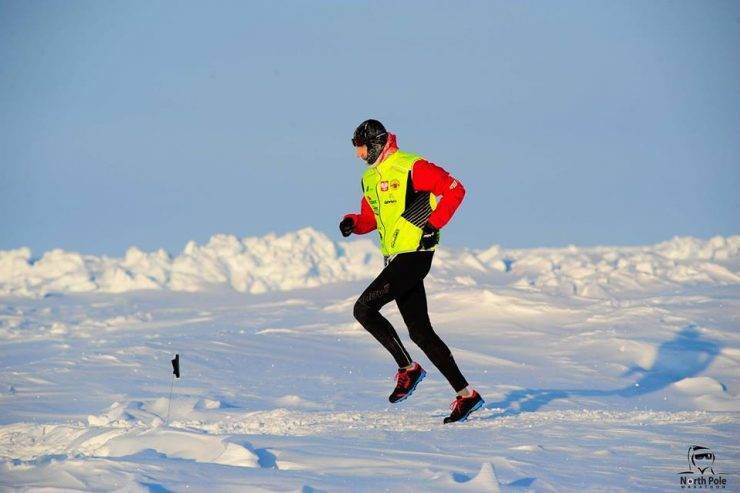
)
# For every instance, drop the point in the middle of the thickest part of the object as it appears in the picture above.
(357, 142)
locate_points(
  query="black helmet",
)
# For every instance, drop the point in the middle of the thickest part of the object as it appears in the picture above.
(371, 133)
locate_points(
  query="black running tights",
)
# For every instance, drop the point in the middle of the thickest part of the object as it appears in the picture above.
(403, 280)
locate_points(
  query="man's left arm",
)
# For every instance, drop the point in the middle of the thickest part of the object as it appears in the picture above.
(428, 177)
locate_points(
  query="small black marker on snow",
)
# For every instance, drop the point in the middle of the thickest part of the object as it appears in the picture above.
(176, 365)
(176, 372)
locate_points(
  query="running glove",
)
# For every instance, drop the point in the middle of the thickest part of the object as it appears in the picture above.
(429, 237)
(346, 226)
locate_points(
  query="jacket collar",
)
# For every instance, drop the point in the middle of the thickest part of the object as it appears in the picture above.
(390, 147)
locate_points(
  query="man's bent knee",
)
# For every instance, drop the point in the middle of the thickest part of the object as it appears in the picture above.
(362, 311)
(423, 335)
(365, 304)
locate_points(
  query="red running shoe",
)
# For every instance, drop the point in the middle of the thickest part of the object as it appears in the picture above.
(462, 407)
(406, 382)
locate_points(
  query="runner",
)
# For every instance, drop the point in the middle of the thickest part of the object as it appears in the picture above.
(399, 200)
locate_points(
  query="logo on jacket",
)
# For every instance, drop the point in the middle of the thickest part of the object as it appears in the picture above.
(383, 186)
(395, 184)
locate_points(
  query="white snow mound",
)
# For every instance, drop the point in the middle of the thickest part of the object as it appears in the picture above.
(308, 258)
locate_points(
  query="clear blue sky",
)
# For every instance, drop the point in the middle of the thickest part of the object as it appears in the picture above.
(153, 123)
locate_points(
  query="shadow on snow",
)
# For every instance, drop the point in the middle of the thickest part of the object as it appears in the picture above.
(686, 355)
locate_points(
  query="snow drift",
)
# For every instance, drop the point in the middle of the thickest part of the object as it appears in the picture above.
(599, 367)
(308, 258)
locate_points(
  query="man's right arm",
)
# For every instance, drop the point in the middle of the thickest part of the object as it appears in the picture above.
(365, 220)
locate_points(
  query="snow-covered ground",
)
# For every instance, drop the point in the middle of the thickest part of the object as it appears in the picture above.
(600, 367)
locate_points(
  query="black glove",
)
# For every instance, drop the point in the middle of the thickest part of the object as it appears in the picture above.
(346, 226)
(429, 237)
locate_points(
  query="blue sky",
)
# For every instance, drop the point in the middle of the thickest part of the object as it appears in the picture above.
(153, 123)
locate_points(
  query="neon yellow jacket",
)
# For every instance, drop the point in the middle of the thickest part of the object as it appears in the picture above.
(400, 212)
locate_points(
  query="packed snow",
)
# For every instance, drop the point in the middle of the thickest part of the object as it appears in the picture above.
(600, 366)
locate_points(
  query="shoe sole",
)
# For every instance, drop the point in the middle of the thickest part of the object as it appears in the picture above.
(411, 391)
(472, 409)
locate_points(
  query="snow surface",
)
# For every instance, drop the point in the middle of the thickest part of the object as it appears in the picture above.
(599, 366)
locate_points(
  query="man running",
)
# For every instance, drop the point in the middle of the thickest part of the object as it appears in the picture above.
(399, 200)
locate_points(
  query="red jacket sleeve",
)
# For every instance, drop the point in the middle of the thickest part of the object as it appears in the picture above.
(428, 177)
(365, 220)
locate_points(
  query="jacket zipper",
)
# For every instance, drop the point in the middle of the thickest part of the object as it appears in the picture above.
(377, 197)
